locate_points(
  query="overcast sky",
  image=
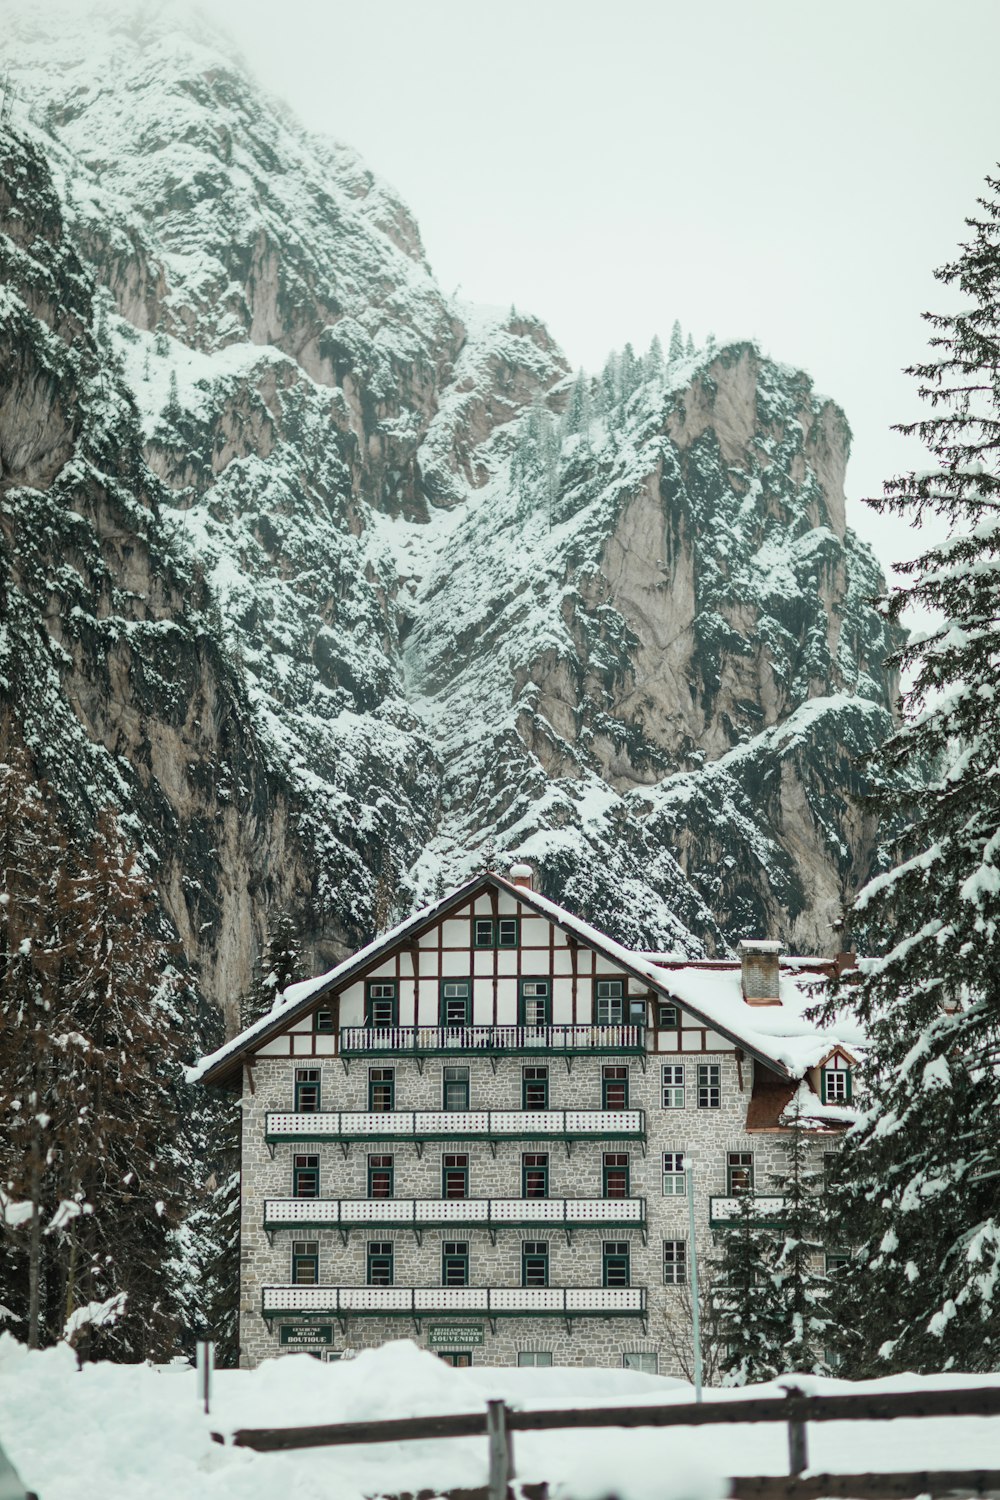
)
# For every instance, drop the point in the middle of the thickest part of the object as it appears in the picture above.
(787, 169)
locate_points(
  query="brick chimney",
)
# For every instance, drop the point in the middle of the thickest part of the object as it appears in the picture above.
(522, 874)
(759, 964)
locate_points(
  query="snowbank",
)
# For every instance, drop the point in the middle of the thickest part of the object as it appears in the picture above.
(134, 1430)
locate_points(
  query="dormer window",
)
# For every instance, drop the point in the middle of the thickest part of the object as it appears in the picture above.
(836, 1083)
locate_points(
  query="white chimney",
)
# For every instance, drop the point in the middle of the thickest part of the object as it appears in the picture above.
(522, 874)
(759, 965)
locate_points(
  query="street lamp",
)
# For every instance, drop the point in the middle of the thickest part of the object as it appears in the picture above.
(695, 1310)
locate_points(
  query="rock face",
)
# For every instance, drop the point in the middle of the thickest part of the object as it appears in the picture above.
(339, 591)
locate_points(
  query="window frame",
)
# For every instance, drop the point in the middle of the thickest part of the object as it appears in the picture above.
(709, 1083)
(673, 1087)
(372, 1000)
(455, 1162)
(380, 1251)
(608, 999)
(663, 1008)
(738, 1163)
(609, 1167)
(445, 1000)
(304, 1165)
(374, 1083)
(542, 1071)
(302, 1083)
(455, 1253)
(446, 1083)
(675, 1262)
(616, 1251)
(381, 1161)
(674, 1173)
(827, 1075)
(648, 1361)
(537, 1251)
(487, 941)
(534, 1161)
(534, 1359)
(523, 1000)
(304, 1252)
(611, 1074)
(319, 1025)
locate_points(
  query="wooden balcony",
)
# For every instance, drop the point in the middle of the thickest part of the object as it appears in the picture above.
(418, 1214)
(490, 1041)
(444, 1125)
(726, 1213)
(416, 1303)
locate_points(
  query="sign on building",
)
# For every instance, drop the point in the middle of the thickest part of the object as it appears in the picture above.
(302, 1335)
(454, 1335)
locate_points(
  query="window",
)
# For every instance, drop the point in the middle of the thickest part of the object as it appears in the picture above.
(505, 932)
(535, 1174)
(381, 1003)
(673, 1085)
(454, 1175)
(380, 1176)
(535, 1263)
(709, 1085)
(379, 1263)
(830, 1160)
(674, 1182)
(675, 1262)
(640, 1359)
(455, 1088)
(534, 1088)
(615, 1174)
(305, 1262)
(739, 1172)
(614, 1088)
(305, 1176)
(836, 1085)
(835, 1259)
(534, 1359)
(322, 1020)
(459, 1359)
(615, 1263)
(454, 1263)
(381, 1089)
(535, 1002)
(666, 1017)
(456, 1002)
(610, 1002)
(306, 1090)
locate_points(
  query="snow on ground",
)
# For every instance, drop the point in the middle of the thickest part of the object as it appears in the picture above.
(124, 1431)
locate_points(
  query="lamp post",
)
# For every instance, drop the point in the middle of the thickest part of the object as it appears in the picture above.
(695, 1310)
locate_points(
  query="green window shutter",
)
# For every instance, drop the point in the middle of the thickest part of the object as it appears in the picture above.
(850, 1085)
(822, 1085)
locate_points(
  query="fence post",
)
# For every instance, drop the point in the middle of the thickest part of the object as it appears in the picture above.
(205, 1365)
(501, 1449)
(798, 1447)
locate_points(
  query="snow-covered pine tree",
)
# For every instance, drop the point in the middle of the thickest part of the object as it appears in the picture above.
(801, 1283)
(689, 346)
(120, 1167)
(924, 1161)
(745, 1305)
(279, 965)
(629, 371)
(653, 363)
(676, 350)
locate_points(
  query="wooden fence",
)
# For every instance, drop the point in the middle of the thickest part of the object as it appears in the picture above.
(499, 1423)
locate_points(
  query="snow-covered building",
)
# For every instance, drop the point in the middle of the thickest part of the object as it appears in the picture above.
(474, 1132)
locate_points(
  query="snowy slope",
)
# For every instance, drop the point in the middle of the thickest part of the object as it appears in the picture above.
(399, 597)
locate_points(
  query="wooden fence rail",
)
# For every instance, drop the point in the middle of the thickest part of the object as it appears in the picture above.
(499, 1423)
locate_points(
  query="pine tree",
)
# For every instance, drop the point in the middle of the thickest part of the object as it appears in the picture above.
(924, 1160)
(689, 346)
(745, 1303)
(676, 343)
(172, 410)
(654, 359)
(629, 372)
(801, 1283)
(280, 965)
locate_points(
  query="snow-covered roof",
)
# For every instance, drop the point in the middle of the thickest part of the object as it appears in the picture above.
(779, 1035)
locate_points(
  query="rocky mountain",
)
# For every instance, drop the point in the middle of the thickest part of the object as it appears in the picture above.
(338, 590)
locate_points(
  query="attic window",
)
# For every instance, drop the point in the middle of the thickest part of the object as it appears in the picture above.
(666, 1017)
(381, 1004)
(322, 1020)
(836, 1085)
(502, 933)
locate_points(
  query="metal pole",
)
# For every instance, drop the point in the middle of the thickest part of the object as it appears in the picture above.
(695, 1309)
(204, 1365)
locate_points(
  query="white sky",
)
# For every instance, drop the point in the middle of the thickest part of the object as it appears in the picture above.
(789, 169)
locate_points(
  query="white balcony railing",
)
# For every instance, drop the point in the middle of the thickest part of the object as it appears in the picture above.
(517, 1301)
(767, 1210)
(403, 1040)
(446, 1124)
(346, 1213)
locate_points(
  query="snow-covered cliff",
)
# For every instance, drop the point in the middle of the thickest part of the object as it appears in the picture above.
(340, 590)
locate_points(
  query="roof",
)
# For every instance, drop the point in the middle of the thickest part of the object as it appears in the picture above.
(779, 1036)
